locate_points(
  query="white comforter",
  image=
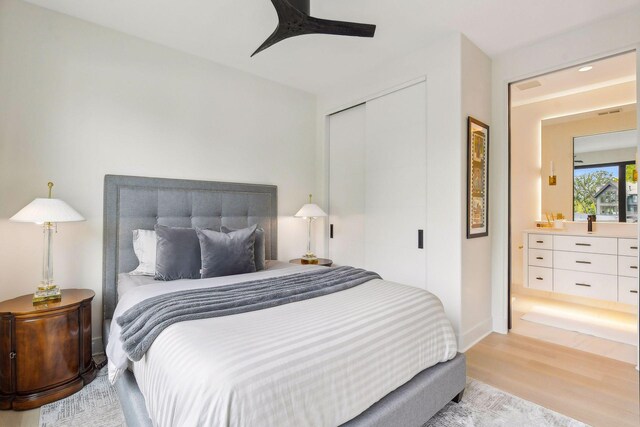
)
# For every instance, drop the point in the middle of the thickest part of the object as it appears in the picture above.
(318, 362)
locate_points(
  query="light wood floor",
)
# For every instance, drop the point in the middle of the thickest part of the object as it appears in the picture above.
(593, 389)
(29, 418)
(521, 304)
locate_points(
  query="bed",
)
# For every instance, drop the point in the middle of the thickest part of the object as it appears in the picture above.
(172, 383)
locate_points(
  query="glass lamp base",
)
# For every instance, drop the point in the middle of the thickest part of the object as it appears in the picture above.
(309, 258)
(47, 293)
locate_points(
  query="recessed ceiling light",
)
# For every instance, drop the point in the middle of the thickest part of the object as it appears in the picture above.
(585, 68)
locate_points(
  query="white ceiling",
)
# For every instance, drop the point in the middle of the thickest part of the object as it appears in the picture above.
(228, 31)
(605, 72)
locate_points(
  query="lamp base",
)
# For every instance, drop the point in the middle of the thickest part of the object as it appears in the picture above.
(47, 293)
(309, 258)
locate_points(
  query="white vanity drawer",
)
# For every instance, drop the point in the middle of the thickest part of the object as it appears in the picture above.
(591, 263)
(541, 278)
(628, 290)
(541, 257)
(540, 241)
(628, 266)
(589, 285)
(628, 247)
(596, 245)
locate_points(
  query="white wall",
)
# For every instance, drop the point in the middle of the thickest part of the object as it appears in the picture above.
(607, 37)
(476, 264)
(79, 101)
(441, 63)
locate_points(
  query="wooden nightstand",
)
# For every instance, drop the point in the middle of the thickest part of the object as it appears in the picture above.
(45, 350)
(321, 261)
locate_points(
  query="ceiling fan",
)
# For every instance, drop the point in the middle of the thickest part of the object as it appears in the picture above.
(294, 20)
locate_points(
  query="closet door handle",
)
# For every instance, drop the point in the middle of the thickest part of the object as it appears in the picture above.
(583, 284)
(583, 244)
(331, 231)
(583, 262)
(420, 239)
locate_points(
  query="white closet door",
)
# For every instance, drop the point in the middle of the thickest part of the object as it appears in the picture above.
(347, 186)
(396, 185)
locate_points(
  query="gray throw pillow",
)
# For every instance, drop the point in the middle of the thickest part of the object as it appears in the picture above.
(177, 253)
(224, 254)
(258, 247)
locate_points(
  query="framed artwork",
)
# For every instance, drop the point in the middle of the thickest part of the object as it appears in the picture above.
(477, 178)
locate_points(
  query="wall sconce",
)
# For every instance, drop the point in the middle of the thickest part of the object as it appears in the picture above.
(552, 177)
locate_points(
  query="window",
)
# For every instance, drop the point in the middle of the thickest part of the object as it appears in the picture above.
(609, 191)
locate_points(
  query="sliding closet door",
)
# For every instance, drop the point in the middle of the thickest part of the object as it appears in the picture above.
(377, 185)
(396, 185)
(347, 186)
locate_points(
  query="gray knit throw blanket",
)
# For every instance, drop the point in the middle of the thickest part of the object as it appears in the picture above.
(142, 323)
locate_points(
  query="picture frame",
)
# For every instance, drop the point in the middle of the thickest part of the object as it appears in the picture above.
(477, 178)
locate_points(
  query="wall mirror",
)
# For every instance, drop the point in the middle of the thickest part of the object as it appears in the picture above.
(593, 157)
(605, 178)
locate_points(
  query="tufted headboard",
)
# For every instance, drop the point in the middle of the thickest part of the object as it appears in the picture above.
(140, 203)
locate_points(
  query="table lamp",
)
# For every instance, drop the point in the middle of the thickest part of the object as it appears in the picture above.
(309, 211)
(47, 212)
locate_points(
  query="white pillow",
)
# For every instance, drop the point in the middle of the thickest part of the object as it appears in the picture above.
(144, 245)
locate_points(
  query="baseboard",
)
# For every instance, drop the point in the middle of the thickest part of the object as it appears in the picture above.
(96, 346)
(475, 334)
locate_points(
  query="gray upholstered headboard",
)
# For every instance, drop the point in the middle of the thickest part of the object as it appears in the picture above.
(140, 203)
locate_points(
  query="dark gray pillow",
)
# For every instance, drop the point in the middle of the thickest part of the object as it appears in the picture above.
(258, 247)
(224, 254)
(177, 253)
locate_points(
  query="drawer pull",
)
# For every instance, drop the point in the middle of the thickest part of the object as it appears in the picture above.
(583, 262)
(539, 241)
(539, 257)
(635, 267)
(583, 284)
(583, 244)
(12, 355)
(633, 247)
(633, 291)
(539, 278)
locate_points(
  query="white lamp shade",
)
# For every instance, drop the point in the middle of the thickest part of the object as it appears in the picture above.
(310, 210)
(47, 210)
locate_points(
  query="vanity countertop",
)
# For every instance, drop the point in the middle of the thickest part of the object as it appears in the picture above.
(625, 234)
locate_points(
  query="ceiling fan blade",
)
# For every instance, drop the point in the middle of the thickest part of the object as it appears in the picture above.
(339, 28)
(277, 36)
(290, 24)
(293, 22)
(286, 12)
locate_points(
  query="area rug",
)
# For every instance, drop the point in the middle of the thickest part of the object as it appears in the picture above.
(485, 406)
(589, 325)
(97, 405)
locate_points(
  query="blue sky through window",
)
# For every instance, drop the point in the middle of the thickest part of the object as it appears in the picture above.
(613, 170)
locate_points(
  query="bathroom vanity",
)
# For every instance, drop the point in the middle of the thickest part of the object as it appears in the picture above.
(602, 266)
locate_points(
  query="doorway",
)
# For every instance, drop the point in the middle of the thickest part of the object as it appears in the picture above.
(573, 154)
